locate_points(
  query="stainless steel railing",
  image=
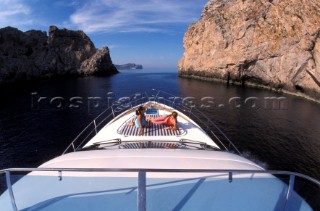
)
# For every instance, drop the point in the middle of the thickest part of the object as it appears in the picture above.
(159, 96)
(142, 176)
(104, 117)
(199, 117)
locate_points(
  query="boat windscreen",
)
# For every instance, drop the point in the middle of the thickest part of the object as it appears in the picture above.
(118, 144)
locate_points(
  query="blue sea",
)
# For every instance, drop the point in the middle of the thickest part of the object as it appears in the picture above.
(39, 120)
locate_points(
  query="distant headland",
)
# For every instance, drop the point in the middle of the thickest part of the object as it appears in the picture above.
(33, 55)
(128, 66)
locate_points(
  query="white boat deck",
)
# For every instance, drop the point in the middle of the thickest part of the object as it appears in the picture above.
(119, 128)
(145, 158)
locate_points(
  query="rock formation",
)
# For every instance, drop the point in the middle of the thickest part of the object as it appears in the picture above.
(33, 54)
(98, 64)
(270, 43)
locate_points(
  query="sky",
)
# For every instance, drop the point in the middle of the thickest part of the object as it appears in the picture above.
(147, 32)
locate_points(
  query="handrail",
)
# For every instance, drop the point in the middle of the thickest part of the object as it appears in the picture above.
(94, 125)
(9, 185)
(143, 97)
(211, 123)
(142, 176)
(162, 170)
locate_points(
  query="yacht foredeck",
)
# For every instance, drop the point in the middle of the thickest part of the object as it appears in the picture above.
(120, 129)
(150, 130)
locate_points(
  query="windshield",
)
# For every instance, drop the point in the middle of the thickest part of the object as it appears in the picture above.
(155, 144)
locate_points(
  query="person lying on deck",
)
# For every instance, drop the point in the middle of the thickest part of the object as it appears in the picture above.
(140, 121)
(169, 120)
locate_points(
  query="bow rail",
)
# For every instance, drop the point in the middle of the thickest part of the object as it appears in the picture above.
(158, 96)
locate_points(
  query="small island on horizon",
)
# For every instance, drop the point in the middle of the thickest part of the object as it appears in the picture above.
(128, 66)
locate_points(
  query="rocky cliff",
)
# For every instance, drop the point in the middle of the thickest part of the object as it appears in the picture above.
(33, 54)
(270, 43)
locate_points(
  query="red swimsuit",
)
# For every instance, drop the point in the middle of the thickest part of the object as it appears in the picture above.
(170, 122)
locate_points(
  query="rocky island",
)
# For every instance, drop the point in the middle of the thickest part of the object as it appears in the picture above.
(268, 43)
(33, 55)
(129, 66)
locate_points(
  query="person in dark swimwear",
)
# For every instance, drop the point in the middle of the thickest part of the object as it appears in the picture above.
(169, 120)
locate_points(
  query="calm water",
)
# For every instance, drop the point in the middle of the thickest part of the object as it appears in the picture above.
(38, 121)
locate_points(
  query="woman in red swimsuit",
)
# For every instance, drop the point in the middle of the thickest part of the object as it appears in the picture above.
(170, 120)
